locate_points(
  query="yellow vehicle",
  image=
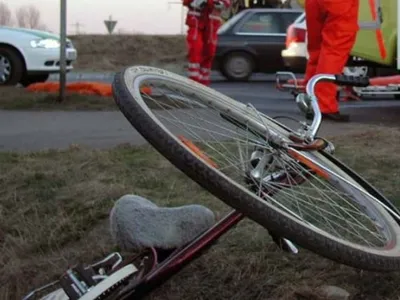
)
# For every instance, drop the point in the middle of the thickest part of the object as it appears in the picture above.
(377, 39)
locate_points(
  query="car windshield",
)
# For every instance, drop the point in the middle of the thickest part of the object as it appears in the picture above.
(231, 21)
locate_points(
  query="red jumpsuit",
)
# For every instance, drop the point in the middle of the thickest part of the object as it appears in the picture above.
(332, 27)
(196, 22)
(214, 22)
(203, 25)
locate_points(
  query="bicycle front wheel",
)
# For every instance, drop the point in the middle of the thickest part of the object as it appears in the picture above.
(310, 198)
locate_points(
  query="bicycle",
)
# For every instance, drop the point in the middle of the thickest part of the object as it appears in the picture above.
(276, 162)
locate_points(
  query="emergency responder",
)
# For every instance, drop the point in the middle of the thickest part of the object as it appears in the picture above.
(332, 27)
(214, 21)
(195, 20)
(203, 21)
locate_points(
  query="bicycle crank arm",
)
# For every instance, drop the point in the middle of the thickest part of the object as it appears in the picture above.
(284, 244)
(291, 247)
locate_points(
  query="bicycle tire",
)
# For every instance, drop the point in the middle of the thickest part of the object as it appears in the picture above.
(240, 199)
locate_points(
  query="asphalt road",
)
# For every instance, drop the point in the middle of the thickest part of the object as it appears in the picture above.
(27, 131)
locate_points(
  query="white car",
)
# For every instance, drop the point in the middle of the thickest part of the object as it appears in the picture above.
(28, 56)
(295, 55)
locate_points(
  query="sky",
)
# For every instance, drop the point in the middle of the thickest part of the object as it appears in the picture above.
(145, 16)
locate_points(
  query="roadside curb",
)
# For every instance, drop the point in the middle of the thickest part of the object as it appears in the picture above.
(108, 76)
(76, 76)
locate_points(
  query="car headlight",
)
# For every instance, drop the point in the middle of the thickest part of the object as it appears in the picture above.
(45, 43)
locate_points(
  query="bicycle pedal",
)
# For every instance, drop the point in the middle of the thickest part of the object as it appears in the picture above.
(289, 246)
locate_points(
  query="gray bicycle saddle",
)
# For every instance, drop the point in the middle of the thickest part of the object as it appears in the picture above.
(138, 223)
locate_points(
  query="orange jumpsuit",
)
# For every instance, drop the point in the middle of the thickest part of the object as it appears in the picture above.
(332, 27)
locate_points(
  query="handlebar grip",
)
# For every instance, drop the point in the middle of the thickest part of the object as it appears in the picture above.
(359, 81)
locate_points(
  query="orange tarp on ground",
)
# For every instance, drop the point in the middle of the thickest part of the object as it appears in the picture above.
(87, 88)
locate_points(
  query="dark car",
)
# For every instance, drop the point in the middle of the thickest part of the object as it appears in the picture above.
(252, 41)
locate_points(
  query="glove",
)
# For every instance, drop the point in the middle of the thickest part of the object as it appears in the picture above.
(198, 4)
(219, 4)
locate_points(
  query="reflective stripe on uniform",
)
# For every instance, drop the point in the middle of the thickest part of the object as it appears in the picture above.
(194, 13)
(205, 80)
(205, 74)
(193, 65)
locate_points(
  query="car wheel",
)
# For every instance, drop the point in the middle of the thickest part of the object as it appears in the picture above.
(237, 66)
(30, 79)
(11, 67)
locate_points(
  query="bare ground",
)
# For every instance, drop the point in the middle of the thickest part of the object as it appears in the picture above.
(54, 207)
(111, 53)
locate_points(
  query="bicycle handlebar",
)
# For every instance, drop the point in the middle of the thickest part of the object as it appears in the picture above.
(337, 79)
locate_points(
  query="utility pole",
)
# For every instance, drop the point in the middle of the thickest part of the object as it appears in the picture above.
(182, 14)
(77, 26)
(63, 48)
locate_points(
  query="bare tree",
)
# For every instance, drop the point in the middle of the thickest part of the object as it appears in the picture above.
(5, 15)
(29, 17)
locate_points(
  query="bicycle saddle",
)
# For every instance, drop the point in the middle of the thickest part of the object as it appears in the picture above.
(138, 223)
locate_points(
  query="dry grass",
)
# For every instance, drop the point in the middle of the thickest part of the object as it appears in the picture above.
(112, 53)
(54, 207)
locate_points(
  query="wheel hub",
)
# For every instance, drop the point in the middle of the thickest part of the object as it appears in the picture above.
(238, 66)
(5, 69)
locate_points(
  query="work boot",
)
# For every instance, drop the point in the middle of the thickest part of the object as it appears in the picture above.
(338, 117)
